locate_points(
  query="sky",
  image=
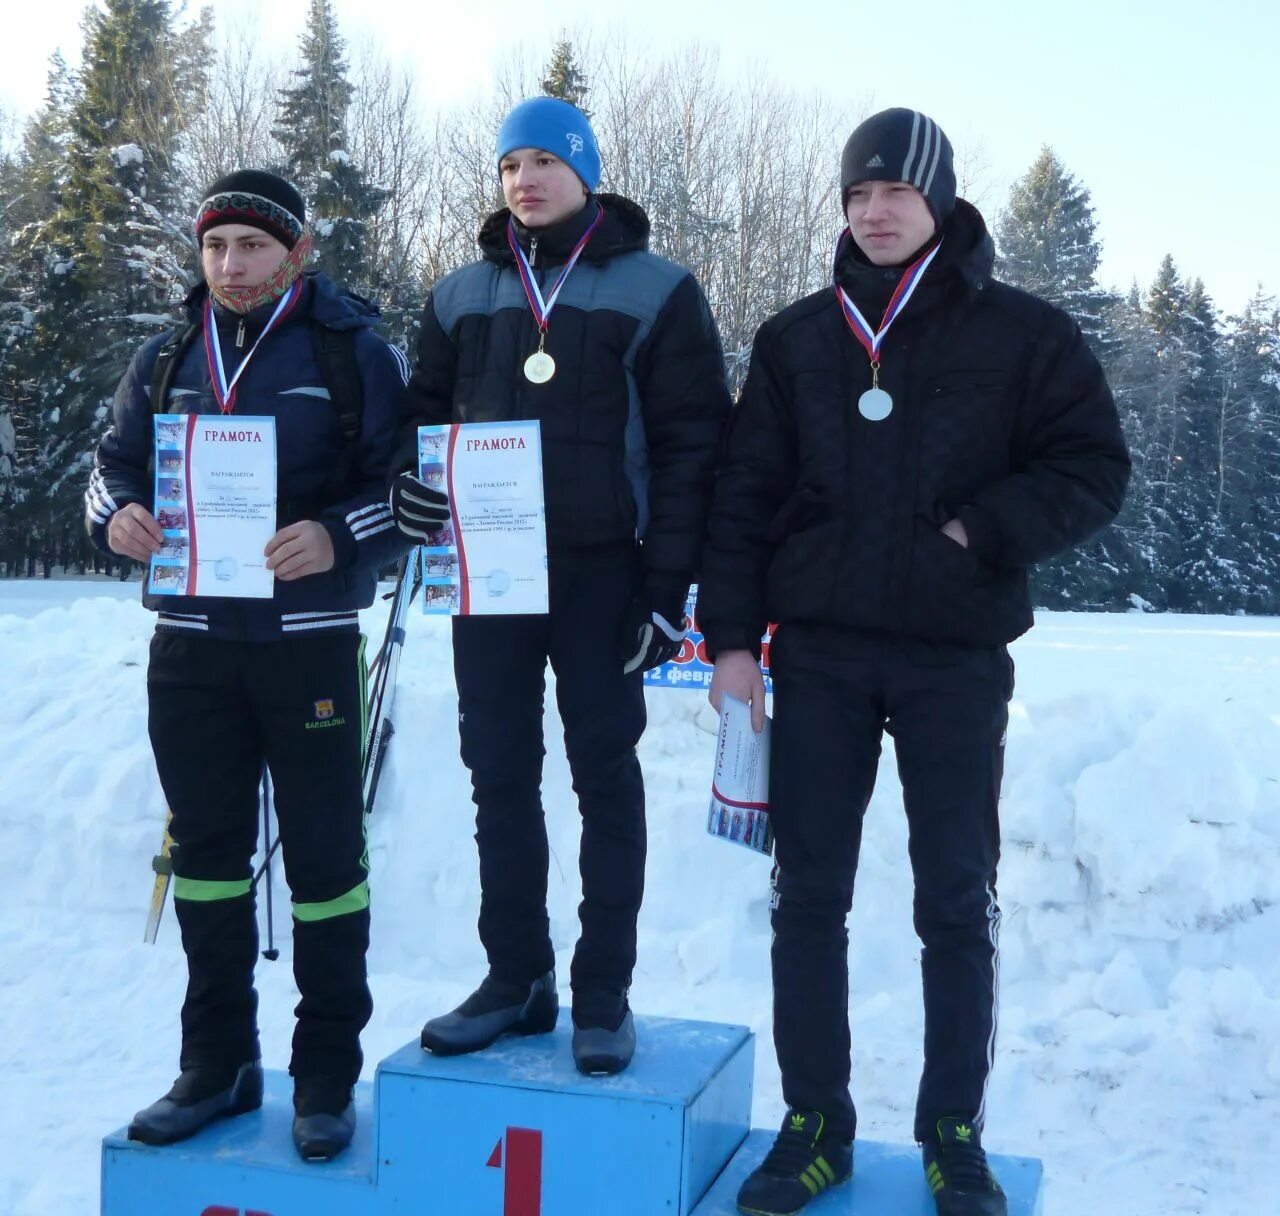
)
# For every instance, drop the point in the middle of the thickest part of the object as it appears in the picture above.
(1163, 110)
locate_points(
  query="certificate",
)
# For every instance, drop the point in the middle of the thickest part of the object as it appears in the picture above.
(215, 497)
(491, 558)
(740, 785)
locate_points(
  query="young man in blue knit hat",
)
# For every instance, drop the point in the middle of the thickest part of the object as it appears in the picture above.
(909, 441)
(235, 684)
(568, 319)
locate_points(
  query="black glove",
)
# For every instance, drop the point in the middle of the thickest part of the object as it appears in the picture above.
(649, 639)
(418, 509)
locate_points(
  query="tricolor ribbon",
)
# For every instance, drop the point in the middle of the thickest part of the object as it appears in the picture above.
(872, 339)
(542, 307)
(223, 389)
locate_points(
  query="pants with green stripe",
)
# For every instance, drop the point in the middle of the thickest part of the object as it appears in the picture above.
(218, 711)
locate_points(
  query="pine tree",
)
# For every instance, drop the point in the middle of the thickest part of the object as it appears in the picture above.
(312, 128)
(1132, 368)
(1048, 244)
(564, 78)
(1246, 497)
(1208, 576)
(1173, 433)
(102, 263)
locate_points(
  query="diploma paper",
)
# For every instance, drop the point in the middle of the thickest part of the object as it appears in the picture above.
(216, 505)
(491, 558)
(740, 786)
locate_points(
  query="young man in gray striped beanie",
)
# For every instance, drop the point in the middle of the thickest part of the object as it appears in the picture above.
(910, 440)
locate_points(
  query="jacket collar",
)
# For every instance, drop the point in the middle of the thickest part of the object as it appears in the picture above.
(625, 230)
(962, 267)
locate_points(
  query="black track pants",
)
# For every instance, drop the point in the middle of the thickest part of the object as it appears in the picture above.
(500, 663)
(218, 711)
(946, 708)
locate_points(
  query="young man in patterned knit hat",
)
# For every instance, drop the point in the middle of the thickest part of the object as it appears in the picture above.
(909, 442)
(568, 319)
(236, 684)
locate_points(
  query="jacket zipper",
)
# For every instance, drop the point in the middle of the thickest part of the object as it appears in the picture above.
(240, 335)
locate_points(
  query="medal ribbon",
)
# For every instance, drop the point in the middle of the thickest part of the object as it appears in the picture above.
(542, 307)
(871, 339)
(223, 390)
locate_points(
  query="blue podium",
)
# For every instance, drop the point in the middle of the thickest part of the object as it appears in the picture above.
(516, 1131)
(887, 1181)
(512, 1131)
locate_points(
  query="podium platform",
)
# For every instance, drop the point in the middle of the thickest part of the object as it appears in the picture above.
(517, 1131)
(888, 1180)
(511, 1131)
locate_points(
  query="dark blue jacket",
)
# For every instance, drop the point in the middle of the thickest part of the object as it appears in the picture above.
(283, 382)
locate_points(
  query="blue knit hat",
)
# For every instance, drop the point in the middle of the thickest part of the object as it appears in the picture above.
(557, 127)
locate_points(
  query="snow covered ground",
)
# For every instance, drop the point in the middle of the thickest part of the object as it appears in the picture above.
(1140, 1032)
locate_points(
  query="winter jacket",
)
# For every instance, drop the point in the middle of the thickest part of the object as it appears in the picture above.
(632, 419)
(284, 382)
(1001, 419)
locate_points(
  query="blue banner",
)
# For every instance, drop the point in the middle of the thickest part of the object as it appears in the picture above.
(690, 668)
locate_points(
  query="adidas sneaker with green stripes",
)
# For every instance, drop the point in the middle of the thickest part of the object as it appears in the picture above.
(801, 1164)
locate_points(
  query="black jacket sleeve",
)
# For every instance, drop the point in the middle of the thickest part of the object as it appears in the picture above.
(757, 474)
(1071, 465)
(685, 406)
(427, 400)
(121, 466)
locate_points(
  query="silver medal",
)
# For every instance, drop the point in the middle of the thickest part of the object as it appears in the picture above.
(875, 405)
(539, 367)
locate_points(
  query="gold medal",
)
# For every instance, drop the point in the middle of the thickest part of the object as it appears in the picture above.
(539, 367)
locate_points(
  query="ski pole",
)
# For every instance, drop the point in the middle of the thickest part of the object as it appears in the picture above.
(270, 953)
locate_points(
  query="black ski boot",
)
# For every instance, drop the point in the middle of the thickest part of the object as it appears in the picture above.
(604, 1032)
(199, 1096)
(324, 1118)
(492, 1010)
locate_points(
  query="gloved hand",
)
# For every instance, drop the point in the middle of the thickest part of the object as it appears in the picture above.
(649, 639)
(418, 509)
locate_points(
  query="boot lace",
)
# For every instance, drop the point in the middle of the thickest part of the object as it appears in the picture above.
(791, 1153)
(966, 1166)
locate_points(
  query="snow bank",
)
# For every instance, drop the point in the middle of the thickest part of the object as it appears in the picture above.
(1140, 1031)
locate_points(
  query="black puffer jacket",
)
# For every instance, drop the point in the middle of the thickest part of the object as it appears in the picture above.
(1001, 418)
(632, 420)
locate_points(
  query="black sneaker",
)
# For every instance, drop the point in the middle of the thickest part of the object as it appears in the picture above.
(801, 1164)
(604, 1032)
(492, 1010)
(199, 1096)
(958, 1174)
(324, 1118)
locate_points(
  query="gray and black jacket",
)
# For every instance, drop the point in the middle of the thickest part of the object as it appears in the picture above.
(632, 420)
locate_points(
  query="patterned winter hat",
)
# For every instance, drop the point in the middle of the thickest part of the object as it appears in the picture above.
(556, 127)
(902, 146)
(258, 199)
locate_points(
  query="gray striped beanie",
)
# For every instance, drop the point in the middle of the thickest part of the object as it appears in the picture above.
(902, 146)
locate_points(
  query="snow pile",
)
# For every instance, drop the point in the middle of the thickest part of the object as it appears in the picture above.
(1140, 1019)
